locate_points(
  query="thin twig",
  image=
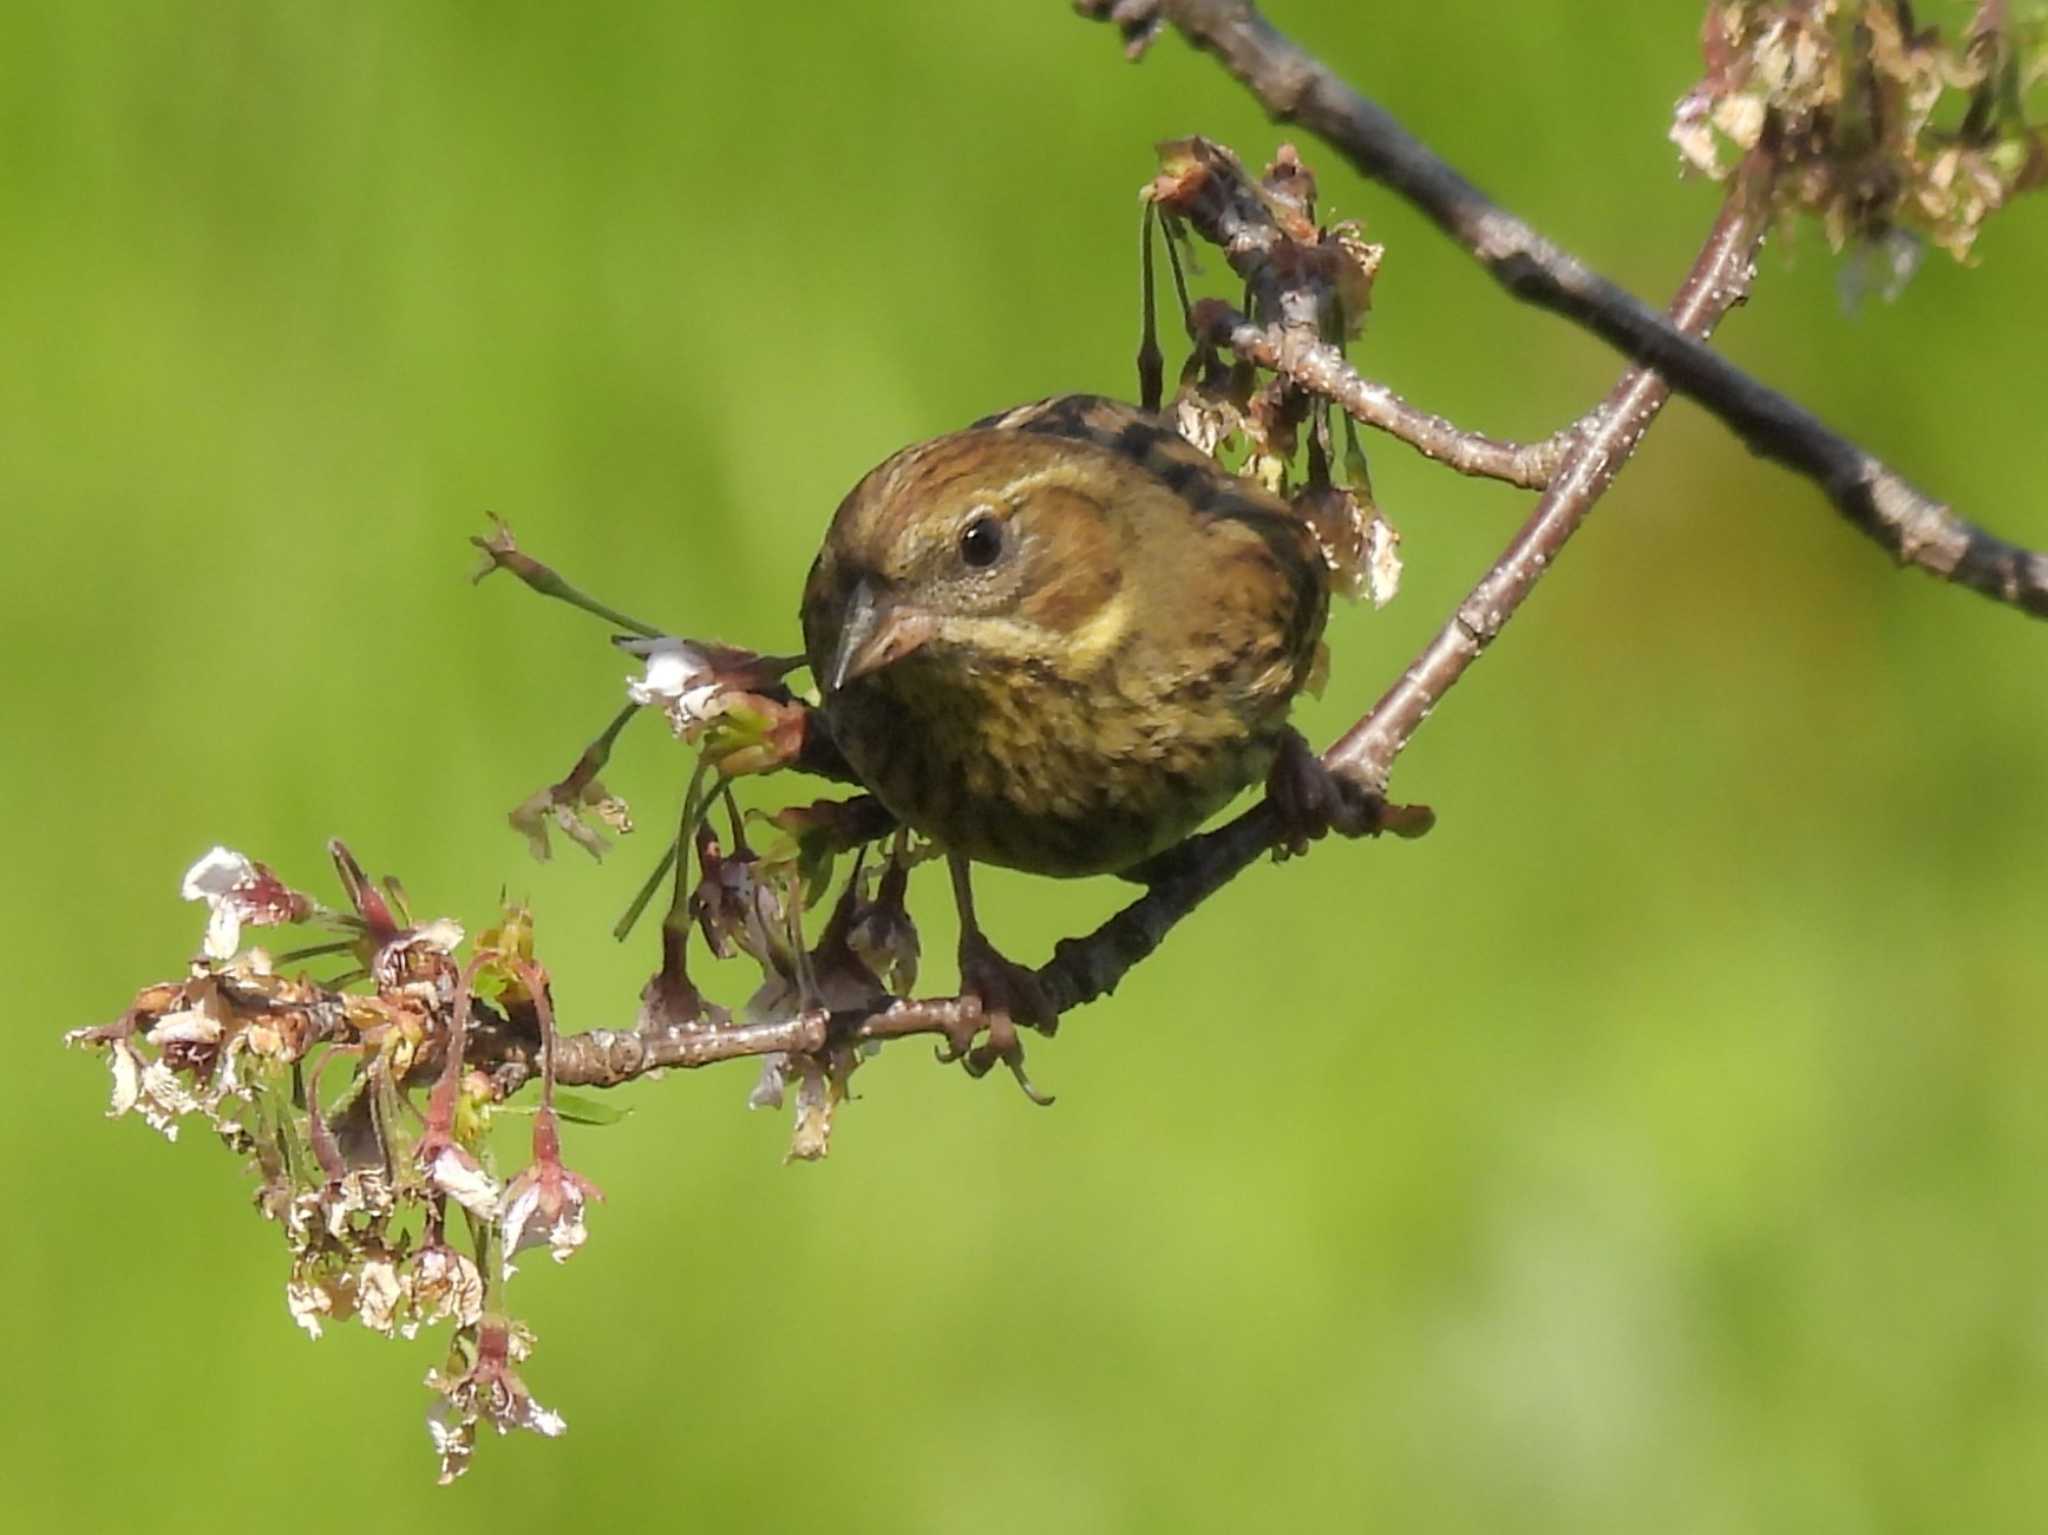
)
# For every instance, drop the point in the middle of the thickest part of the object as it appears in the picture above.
(1322, 370)
(502, 552)
(1294, 86)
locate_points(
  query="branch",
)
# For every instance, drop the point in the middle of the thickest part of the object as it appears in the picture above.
(1294, 86)
(1321, 369)
(613, 1057)
(1082, 969)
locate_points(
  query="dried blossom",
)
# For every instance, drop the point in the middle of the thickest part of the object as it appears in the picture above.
(882, 935)
(821, 1085)
(730, 703)
(1309, 279)
(456, 1172)
(820, 832)
(238, 891)
(1881, 129)
(479, 1385)
(1358, 544)
(577, 811)
(442, 1285)
(544, 1204)
(670, 1000)
(680, 681)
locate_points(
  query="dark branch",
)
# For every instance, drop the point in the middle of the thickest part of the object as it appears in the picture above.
(1296, 87)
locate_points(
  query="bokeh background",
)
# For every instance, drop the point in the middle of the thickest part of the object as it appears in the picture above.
(1659, 1145)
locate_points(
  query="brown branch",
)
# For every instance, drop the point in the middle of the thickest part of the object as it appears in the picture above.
(1082, 969)
(1322, 370)
(609, 1057)
(1294, 86)
(612, 1057)
(1295, 275)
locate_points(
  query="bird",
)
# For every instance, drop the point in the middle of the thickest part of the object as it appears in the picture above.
(1058, 641)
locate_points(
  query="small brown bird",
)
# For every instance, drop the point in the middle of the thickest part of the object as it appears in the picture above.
(1058, 641)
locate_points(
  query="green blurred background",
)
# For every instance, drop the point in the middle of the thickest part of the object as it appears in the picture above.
(1658, 1146)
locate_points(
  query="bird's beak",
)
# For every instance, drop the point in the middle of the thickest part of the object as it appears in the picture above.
(876, 633)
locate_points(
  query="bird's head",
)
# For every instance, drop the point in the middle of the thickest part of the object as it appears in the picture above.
(975, 549)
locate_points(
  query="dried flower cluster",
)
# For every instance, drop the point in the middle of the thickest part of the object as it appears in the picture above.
(1884, 129)
(1311, 284)
(319, 1085)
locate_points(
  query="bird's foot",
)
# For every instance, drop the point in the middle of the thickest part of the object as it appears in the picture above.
(1003, 985)
(999, 995)
(1312, 801)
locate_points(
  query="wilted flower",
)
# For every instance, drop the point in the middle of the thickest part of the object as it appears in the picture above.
(1358, 544)
(544, 1204)
(817, 1093)
(729, 701)
(455, 1172)
(571, 808)
(418, 954)
(380, 1294)
(1875, 125)
(678, 680)
(159, 1097)
(767, 1090)
(882, 934)
(315, 1293)
(239, 890)
(723, 896)
(443, 1285)
(489, 1390)
(821, 1085)
(670, 1000)
(1206, 417)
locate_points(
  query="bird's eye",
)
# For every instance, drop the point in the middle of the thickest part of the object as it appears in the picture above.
(981, 542)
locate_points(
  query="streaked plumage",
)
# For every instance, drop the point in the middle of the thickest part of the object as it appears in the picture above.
(1062, 638)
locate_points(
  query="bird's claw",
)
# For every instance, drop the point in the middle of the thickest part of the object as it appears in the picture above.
(978, 1039)
(1003, 986)
(1312, 801)
(1001, 1044)
(996, 995)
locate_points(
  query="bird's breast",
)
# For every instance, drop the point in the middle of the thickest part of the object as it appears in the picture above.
(1056, 770)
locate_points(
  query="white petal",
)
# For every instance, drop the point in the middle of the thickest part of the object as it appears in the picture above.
(378, 1293)
(308, 1304)
(223, 930)
(673, 669)
(127, 1069)
(767, 1093)
(217, 872)
(163, 1099)
(568, 1233)
(192, 1026)
(454, 1436)
(457, 1175)
(518, 1211)
(542, 1421)
(1382, 562)
(442, 933)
